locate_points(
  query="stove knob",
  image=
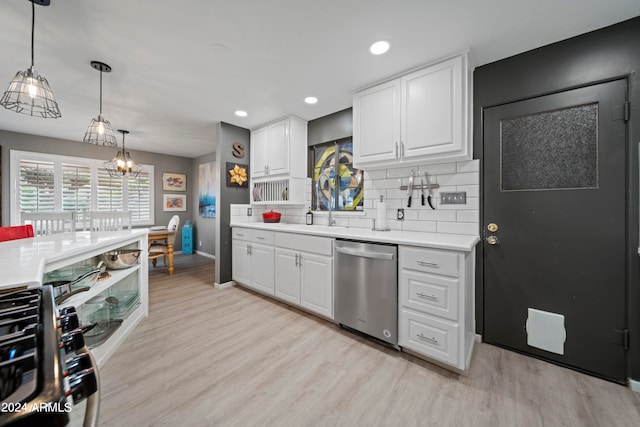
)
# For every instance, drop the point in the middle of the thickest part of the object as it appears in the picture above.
(67, 310)
(72, 341)
(69, 322)
(78, 363)
(82, 385)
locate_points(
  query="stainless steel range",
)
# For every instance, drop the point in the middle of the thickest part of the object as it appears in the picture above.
(45, 367)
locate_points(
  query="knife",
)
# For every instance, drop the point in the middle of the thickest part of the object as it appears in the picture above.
(426, 176)
(422, 191)
(410, 189)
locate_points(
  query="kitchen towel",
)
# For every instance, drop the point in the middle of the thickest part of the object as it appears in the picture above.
(545, 330)
(381, 217)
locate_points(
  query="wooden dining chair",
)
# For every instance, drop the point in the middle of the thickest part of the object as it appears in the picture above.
(107, 220)
(50, 222)
(160, 249)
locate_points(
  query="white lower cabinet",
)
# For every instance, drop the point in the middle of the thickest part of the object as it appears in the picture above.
(305, 279)
(435, 297)
(295, 268)
(252, 259)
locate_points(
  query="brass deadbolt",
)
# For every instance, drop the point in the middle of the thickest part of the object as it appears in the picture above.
(492, 227)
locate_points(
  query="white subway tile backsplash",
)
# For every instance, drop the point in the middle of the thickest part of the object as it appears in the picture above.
(458, 228)
(468, 166)
(453, 219)
(425, 226)
(468, 216)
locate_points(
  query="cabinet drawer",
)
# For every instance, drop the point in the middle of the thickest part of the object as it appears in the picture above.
(430, 294)
(303, 242)
(430, 260)
(262, 236)
(241, 233)
(431, 337)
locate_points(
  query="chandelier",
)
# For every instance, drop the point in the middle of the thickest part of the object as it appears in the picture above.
(99, 130)
(122, 164)
(29, 93)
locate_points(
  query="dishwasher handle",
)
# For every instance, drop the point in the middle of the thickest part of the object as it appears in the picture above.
(365, 254)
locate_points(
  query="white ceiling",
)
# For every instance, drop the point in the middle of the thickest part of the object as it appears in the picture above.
(182, 66)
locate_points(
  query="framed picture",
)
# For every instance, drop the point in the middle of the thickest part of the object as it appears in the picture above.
(175, 202)
(174, 182)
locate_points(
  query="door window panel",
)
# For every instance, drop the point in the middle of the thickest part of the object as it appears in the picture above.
(550, 150)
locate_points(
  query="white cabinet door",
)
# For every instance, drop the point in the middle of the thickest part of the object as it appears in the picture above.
(432, 110)
(259, 151)
(279, 148)
(376, 123)
(287, 275)
(262, 268)
(316, 283)
(241, 263)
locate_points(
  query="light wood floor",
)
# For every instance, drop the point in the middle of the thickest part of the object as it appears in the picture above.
(209, 357)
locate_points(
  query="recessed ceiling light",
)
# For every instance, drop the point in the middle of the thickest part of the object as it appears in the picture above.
(378, 48)
(311, 100)
(241, 113)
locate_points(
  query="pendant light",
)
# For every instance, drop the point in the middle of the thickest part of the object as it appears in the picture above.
(29, 93)
(122, 164)
(99, 130)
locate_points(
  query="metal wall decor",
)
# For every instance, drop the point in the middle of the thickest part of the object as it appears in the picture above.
(29, 93)
(122, 164)
(99, 130)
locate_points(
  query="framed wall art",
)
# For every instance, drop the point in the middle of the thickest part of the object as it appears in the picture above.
(237, 175)
(206, 190)
(174, 202)
(174, 182)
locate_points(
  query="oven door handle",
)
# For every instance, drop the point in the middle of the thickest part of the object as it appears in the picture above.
(365, 254)
(92, 409)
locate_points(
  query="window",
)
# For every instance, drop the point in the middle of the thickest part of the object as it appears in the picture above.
(60, 183)
(339, 187)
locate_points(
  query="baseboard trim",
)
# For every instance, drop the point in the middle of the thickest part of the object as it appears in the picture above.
(206, 254)
(478, 338)
(634, 385)
(224, 285)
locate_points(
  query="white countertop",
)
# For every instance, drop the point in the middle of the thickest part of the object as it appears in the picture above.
(23, 261)
(412, 238)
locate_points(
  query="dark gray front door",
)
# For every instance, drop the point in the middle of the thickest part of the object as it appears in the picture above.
(554, 185)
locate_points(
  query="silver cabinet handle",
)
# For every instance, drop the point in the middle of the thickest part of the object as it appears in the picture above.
(260, 238)
(428, 263)
(396, 148)
(401, 149)
(248, 250)
(425, 296)
(296, 260)
(431, 340)
(300, 260)
(239, 235)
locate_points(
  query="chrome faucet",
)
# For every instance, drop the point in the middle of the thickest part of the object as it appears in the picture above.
(331, 220)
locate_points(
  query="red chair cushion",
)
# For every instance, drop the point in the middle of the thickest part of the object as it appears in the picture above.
(16, 232)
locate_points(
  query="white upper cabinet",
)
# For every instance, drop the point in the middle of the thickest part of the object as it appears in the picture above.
(421, 117)
(280, 149)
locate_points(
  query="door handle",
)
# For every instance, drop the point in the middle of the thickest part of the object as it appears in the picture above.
(492, 240)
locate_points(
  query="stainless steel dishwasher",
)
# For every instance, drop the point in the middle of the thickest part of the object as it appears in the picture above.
(366, 288)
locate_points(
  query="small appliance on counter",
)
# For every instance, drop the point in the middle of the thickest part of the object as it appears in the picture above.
(271, 217)
(309, 217)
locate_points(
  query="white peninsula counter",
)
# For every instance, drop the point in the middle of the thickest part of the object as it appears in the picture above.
(25, 262)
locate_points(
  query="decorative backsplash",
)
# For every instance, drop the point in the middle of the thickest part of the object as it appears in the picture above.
(451, 219)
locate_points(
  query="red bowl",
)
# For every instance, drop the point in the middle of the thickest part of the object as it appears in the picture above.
(271, 216)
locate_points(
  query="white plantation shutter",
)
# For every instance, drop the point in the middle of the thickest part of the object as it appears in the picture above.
(110, 192)
(139, 197)
(37, 190)
(76, 187)
(53, 183)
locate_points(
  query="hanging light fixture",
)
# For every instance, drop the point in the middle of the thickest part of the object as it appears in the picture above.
(99, 130)
(29, 93)
(122, 164)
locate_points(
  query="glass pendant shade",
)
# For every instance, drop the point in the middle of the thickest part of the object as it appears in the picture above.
(122, 164)
(99, 130)
(30, 93)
